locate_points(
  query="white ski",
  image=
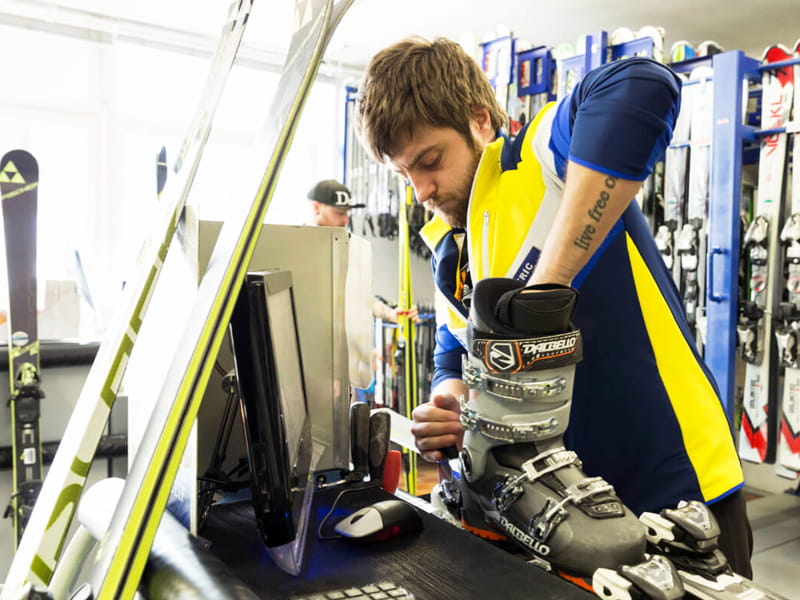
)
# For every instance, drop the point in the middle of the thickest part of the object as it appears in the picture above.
(761, 243)
(676, 163)
(692, 240)
(788, 463)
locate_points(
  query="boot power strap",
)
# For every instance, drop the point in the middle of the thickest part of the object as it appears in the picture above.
(512, 356)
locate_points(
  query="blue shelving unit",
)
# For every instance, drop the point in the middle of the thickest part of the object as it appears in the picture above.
(535, 72)
(733, 143)
(729, 138)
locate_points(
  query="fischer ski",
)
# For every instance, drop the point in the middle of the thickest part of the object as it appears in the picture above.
(19, 183)
(691, 241)
(121, 558)
(761, 244)
(789, 313)
(52, 515)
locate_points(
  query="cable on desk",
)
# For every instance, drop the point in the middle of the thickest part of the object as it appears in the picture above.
(360, 488)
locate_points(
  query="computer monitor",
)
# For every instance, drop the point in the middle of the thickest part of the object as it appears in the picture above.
(277, 427)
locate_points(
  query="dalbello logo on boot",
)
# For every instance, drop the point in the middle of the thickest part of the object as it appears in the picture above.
(536, 350)
(512, 356)
(503, 356)
(524, 538)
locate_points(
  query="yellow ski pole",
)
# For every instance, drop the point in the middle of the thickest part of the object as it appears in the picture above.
(406, 329)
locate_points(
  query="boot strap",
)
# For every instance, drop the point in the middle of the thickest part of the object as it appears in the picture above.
(543, 523)
(528, 354)
(508, 492)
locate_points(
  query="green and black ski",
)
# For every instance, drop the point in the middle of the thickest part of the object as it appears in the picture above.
(19, 184)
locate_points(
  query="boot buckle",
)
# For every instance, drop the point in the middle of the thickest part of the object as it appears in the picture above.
(475, 378)
(505, 494)
(543, 523)
(512, 433)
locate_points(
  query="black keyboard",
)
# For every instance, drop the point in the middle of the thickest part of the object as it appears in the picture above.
(385, 590)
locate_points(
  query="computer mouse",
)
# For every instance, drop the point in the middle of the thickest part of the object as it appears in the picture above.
(380, 521)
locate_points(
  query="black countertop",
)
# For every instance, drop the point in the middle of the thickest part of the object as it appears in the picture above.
(442, 562)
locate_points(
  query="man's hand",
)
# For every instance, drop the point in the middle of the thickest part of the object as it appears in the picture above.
(436, 426)
(412, 313)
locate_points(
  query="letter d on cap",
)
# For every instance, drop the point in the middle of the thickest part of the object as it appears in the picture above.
(342, 198)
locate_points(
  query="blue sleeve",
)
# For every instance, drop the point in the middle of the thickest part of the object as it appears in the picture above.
(446, 356)
(618, 120)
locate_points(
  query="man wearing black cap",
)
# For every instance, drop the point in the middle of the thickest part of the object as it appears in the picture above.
(330, 207)
(330, 204)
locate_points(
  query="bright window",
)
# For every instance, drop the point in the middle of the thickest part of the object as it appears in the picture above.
(95, 111)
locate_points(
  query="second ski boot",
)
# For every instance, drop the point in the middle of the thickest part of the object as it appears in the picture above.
(518, 480)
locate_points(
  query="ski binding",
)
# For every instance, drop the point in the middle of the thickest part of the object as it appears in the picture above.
(655, 578)
(687, 536)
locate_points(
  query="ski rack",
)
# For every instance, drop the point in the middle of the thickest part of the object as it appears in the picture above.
(597, 52)
(535, 68)
(498, 60)
(729, 145)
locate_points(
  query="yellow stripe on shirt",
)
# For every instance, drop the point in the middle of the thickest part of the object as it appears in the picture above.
(713, 457)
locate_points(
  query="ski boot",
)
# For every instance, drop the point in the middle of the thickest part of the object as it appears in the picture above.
(518, 481)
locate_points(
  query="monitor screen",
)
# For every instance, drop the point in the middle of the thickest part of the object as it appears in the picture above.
(277, 429)
(287, 367)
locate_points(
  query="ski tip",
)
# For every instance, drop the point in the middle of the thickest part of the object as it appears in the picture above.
(17, 154)
(778, 53)
(775, 53)
(709, 48)
(17, 168)
(621, 35)
(701, 73)
(681, 51)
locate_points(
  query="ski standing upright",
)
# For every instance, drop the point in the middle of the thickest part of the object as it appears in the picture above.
(691, 240)
(788, 460)
(19, 184)
(676, 164)
(762, 249)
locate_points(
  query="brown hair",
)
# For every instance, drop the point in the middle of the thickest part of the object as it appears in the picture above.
(416, 81)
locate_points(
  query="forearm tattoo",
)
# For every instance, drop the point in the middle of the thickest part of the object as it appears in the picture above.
(595, 214)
